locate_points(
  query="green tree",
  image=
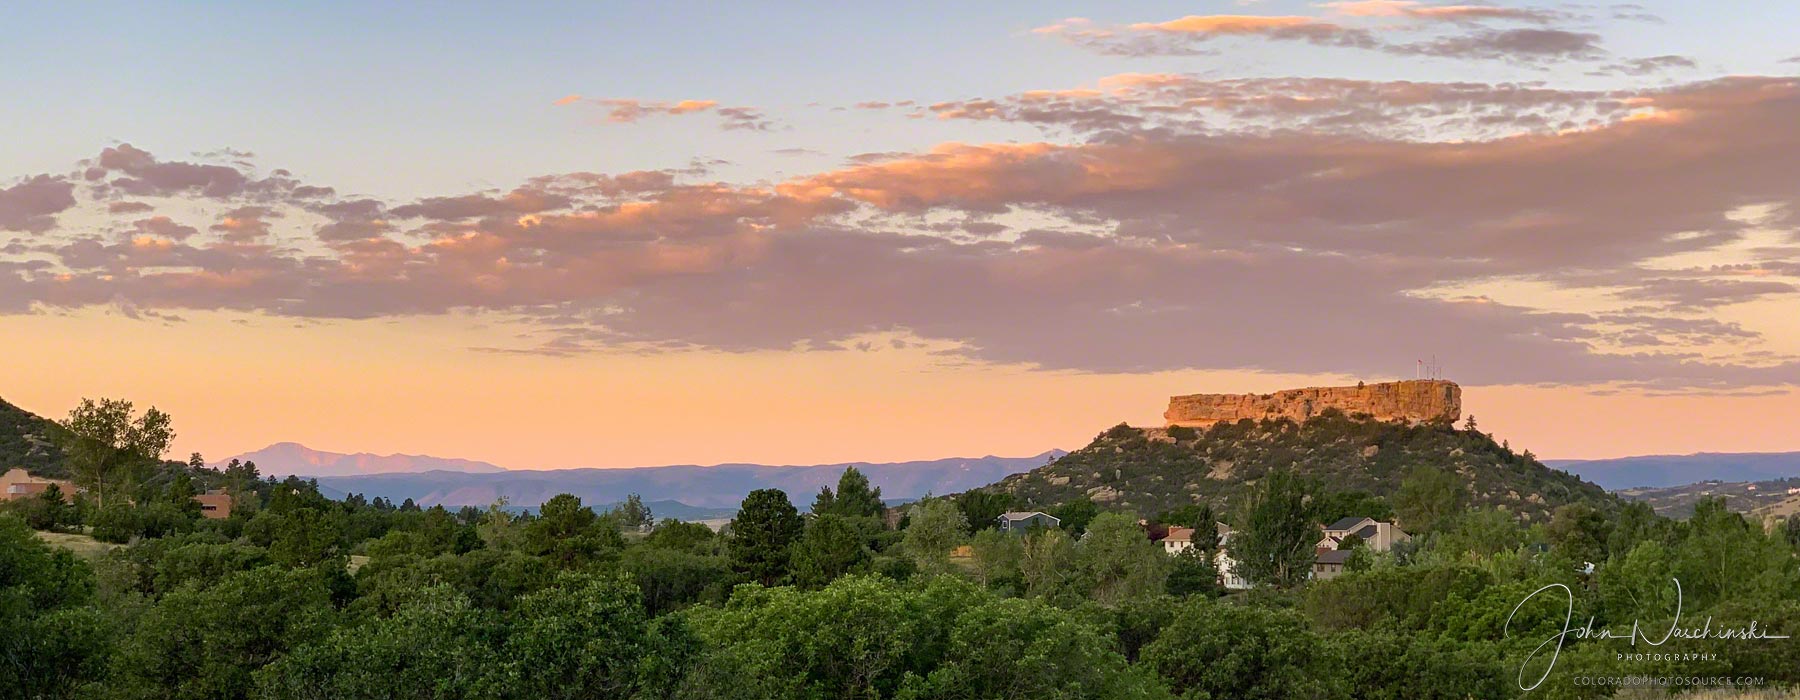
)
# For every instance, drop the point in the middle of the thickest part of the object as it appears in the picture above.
(997, 557)
(633, 514)
(1480, 532)
(499, 528)
(305, 537)
(206, 642)
(51, 640)
(853, 498)
(832, 546)
(1580, 532)
(1428, 497)
(1206, 530)
(49, 510)
(1023, 649)
(570, 533)
(180, 493)
(982, 509)
(1047, 562)
(762, 536)
(585, 637)
(1075, 515)
(103, 442)
(936, 527)
(1243, 652)
(435, 645)
(1275, 547)
(1192, 572)
(682, 536)
(671, 579)
(1119, 561)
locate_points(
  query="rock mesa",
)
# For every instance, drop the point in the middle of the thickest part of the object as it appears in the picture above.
(1415, 401)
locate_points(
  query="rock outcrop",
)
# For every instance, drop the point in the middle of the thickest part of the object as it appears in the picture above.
(1415, 401)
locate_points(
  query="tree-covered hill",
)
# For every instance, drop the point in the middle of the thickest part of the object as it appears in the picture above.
(1153, 470)
(28, 440)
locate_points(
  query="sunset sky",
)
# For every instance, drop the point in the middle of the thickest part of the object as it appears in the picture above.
(569, 235)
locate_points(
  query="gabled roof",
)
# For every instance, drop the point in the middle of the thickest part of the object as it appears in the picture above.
(1179, 534)
(1336, 556)
(1022, 515)
(1345, 523)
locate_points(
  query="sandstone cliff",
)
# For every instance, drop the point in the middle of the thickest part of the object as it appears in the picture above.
(1415, 401)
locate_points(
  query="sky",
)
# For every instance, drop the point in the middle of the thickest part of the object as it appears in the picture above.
(562, 235)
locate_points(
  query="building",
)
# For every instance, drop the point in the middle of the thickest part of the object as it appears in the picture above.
(1378, 535)
(1228, 568)
(215, 504)
(1017, 522)
(1331, 556)
(1180, 539)
(1330, 564)
(18, 483)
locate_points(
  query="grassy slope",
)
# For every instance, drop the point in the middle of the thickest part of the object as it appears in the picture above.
(82, 545)
(1145, 471)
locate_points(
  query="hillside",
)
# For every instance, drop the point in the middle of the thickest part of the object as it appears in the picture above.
(1147, 471)
(1662, 471)
(288, 458)
(1773, 497)
(26, 440)
(722, 486)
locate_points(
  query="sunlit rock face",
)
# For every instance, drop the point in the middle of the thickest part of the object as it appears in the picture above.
(1415, 401)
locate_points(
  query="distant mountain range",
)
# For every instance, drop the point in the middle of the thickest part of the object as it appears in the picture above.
(721, 486)
(290, 458)
(1660, 471)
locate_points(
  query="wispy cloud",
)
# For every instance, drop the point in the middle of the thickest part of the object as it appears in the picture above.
(627, 111)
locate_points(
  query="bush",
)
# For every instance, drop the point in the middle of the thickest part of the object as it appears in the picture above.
(116, 523)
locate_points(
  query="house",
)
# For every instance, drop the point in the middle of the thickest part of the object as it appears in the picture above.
(1379, 536)
(1017, 522)
(1228, 568)
(215, 504)
(1180, 539)
(1330, 556)
(1330, 564)
(18, 483)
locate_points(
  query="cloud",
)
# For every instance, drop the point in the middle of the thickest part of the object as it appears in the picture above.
(32, 204)
(143, 175)
(1188, 35)
(628, 111)
(1139, 102)
(1647, 66)
(1171, 245)
(1527, 45)
(1436, 13)
(1370, 28)
(162, 227)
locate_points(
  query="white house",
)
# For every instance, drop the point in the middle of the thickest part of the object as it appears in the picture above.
(1181, 539)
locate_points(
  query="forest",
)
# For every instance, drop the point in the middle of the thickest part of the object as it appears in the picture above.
(296, 595)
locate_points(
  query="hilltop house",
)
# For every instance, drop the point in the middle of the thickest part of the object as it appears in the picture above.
(1017, 522)
(18, 483)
